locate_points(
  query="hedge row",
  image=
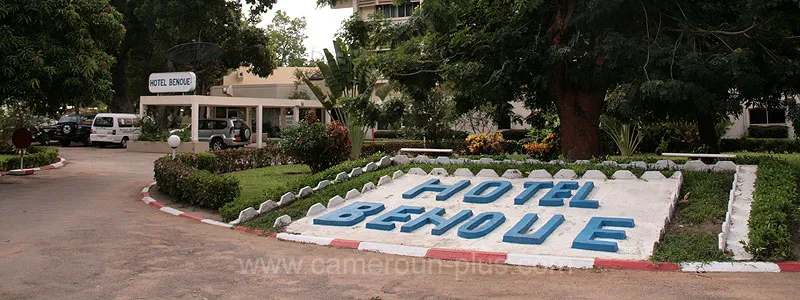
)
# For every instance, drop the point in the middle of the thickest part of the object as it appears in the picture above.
(773, 211)
(189, 185)
(768, 132)
(760, 145)
(230, 211)
(38, 156)
(232, 160)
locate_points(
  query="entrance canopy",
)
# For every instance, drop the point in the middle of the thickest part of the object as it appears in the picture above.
(195, 102)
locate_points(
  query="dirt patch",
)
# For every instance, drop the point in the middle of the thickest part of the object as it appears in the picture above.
(189, 209)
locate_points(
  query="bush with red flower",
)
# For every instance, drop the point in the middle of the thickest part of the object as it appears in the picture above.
(315, 144)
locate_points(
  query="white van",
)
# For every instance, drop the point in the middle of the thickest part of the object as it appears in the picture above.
(114, 129)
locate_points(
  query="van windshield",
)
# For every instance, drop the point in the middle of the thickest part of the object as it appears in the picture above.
(104, 122)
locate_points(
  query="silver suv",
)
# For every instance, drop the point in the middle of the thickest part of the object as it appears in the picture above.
(222, 133)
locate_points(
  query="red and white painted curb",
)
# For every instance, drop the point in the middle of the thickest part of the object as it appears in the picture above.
(495, 257)
(61, 162)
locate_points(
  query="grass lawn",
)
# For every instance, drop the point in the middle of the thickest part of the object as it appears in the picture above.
(692, 233)
(256, 182)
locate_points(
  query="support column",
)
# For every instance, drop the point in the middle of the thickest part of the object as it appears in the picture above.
(247, 118)
(283, 116)
(195, 120)
(142, 109)
(259, 126)
(296, 114)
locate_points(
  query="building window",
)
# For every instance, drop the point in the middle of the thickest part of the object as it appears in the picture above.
(767, 116)
(391, 11)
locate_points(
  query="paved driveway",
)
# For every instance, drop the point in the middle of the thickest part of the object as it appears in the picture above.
(80, 232)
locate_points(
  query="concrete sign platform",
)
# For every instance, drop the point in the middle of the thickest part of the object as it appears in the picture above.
(587, 218)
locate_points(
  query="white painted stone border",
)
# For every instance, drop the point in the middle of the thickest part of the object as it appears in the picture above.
(735, 228)
(287, 199)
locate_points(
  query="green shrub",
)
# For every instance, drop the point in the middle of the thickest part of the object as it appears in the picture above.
(773, 211)
(205, 189)
(310, 144)
(186, 184)
(37, 157)
(391, 148)
(339, 143)
(760, 145)
(768, 132)
(232, 160)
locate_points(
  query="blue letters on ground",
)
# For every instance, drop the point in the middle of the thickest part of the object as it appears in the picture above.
(400, 214)
(445, 191)
(481, 225)
(594, 229)
(350, 215)
(475, 195)
(530, 189)
(434, 217)
(556, 195)
(517, 233)
(579, 200)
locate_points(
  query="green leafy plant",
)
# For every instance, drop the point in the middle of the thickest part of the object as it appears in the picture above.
(773, 211)
(37, 156)
(625, 136)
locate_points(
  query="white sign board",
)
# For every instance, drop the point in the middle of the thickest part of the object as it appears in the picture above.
(619, 219)
(176, 82)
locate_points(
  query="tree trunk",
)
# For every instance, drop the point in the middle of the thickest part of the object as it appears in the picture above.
(579, 111)
(706, 127)
(121, 102)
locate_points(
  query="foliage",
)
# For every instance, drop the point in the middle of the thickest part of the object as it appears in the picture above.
(37, 156)
(155, 26)
(151, 133)
(761, 145)
(194, 187)
(626, 136)
(544, 148)
(793, 114)
(350, 88)
(691, 247)
(286, 38)
(515, 134)
(54, 55)
(768, 132)
(310, 143)
(680, 60)
(391, 147)
(483, 143)
(773, 211)
(339, 143)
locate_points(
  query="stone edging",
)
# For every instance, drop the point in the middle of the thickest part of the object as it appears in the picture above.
(289, 197)
(31, 171)
(493, 257)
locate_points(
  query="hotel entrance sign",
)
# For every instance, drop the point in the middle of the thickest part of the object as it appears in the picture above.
(176, 82)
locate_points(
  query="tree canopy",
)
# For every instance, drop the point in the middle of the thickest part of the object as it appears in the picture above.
(287, 37)
(56, 53)
(154, 26)
(695, 60)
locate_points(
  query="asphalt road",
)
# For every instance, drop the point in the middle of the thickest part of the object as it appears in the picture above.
(80, 232)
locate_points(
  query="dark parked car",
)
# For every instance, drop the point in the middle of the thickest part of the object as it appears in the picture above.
(73, 128)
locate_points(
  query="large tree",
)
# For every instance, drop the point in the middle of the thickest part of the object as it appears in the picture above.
(55, 53)
(287, 37)
(696, 60)
(154, 26)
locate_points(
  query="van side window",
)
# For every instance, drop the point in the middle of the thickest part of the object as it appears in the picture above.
(125, 123)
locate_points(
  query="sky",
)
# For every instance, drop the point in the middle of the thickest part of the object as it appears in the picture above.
(323, 23)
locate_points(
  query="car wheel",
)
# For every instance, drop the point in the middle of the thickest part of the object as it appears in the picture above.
(217, 144)
(66, 143)
(124, 143)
